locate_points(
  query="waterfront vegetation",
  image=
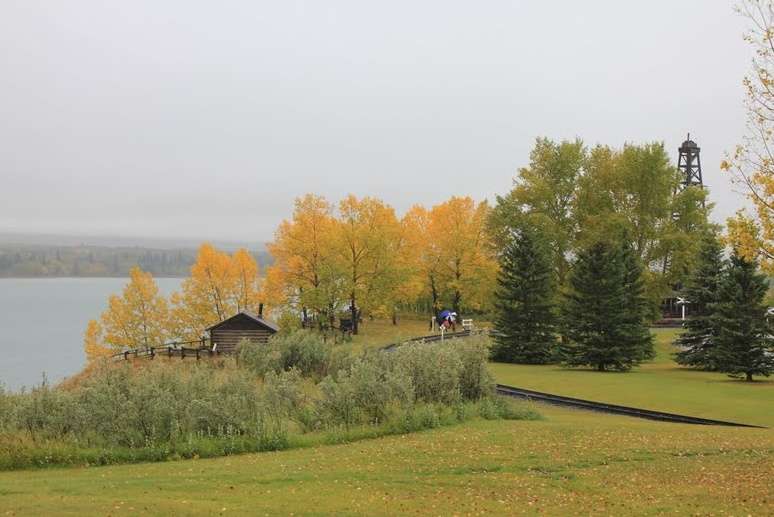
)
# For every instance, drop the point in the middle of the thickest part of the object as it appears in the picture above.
(299, 390)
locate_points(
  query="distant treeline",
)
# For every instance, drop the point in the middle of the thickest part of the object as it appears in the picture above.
(26, 260)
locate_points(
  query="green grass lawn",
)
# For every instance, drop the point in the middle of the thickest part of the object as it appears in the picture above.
(659, 385)
(570, 463)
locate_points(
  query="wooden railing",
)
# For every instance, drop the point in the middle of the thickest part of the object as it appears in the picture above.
(174, 349)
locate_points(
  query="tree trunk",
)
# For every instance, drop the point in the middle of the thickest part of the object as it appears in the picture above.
(749, 377)
(600, 367)
(457, 301)
(457, 294)
(394, 316)
(353, 312)
(434, 292)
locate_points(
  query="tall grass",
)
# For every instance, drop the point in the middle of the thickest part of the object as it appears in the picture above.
(297, 384)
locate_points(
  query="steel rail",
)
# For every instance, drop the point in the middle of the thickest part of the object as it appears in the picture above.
(601, 407)
(428, 339)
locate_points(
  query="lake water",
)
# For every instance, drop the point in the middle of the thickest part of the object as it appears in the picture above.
(42, 321)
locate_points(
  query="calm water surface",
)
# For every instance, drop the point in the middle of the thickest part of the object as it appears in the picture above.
(42, 322)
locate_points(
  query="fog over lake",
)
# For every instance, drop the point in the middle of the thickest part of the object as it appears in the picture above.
(42, 321)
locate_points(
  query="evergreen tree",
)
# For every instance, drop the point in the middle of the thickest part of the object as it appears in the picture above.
(636, 337)
(743, 345)
(603, 313)
(700, 292)
(525, 319)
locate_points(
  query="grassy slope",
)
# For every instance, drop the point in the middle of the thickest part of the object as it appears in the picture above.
(572, 462)
(660, 385)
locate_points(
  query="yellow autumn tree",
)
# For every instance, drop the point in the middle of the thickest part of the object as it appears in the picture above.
(752, 162)
(93, 344)
(247, 289)
(138, 317)
(421, 252)
(220, 285)
(368, 245)
(305, 275)
(460, 254)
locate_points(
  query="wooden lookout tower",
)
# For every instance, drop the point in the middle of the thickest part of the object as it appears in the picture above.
(689, 164)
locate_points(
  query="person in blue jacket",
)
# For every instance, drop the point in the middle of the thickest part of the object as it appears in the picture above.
(447, 319)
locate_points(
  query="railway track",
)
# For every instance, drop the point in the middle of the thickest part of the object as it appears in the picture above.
(601, 407)
(430, 338)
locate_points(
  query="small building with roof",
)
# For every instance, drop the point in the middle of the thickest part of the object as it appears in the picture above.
(226, 335)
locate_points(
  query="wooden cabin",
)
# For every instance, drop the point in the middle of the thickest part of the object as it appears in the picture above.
(226, 335)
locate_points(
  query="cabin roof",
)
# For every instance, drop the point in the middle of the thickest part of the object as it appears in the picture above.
(257, 319)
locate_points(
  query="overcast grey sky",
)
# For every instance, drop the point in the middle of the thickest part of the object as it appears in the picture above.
(206, 119)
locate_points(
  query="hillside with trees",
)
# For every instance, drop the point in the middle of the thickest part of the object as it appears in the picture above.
(46, 261)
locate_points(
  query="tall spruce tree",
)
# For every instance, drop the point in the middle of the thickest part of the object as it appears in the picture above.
(743, 345)
(525, 318)
(603, 312)
(698, 339)
(636, 337)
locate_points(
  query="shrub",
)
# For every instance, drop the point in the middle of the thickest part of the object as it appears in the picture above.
(304, 350)
(364, 393)
(337, 405)
(46, 412)
(424, 373)
(160, 404)
(258, 357)
(434, 369)
(476, 381)
(6, 409)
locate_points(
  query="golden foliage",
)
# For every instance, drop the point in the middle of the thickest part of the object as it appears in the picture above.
(363, 256)
(139, 316)
(304, 271)
(92, 342)
(220, 285)
(752, 162)
(459, 251)
(368, 244)
(247, 290)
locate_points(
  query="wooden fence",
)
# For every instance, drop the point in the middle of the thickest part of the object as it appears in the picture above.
(170, 350)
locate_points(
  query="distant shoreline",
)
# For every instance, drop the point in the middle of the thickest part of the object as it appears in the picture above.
(79, 277)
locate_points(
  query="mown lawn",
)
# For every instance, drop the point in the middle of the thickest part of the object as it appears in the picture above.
(659, 385)
(569, 463)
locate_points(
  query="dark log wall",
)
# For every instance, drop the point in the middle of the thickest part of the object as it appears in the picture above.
(228, 336)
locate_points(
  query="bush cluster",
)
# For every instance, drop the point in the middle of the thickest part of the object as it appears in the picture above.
(127, 407)
(296, 384)
(304, 350)
(382, 384)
